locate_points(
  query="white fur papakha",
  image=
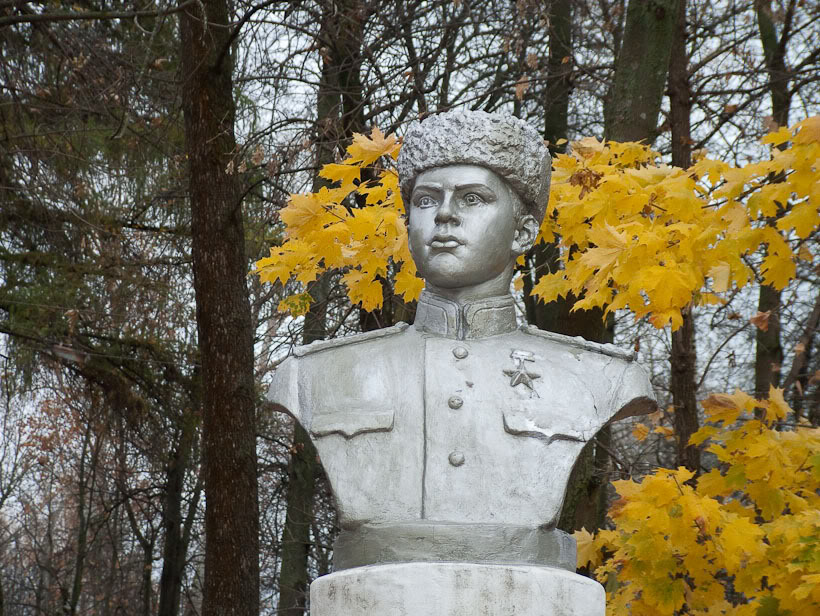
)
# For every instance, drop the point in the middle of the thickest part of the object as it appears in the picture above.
(502, 143)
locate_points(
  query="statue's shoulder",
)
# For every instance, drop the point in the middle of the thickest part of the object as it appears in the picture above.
(313, 366)
(338, 343)
(578, 343)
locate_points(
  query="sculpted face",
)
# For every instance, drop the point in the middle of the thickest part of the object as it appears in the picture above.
(466, 229)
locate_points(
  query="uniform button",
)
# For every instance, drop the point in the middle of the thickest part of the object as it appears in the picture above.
(455, 402)
(460, 352)
(456, 458)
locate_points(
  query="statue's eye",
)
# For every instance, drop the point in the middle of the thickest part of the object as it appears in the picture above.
(425, 201)
(473, 199)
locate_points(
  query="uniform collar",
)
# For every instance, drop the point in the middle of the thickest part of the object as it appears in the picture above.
(478, 319)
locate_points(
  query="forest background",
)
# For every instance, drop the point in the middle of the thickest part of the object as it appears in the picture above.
(147, 159)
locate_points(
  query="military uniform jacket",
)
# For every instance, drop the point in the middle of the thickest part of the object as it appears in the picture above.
(461, 418)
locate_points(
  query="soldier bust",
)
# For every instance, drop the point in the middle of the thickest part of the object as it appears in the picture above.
(453, 439)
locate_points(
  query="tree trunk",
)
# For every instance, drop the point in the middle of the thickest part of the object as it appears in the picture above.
(585, 501)
(683, 384)
(543, 258)
(774, 54)
(559, 74)
(224, 325)
(768, 351)
(631, 114)
(293, 578)
(146, 592)
(340, 112)
(303, 466)
(634, 100)
(680, 97)
(683, 378)
(175, 547)
(88, 470)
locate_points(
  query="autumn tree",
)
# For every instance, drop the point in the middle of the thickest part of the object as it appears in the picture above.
(96, 306)
(224, 325)
(95, 269)
(645, 236)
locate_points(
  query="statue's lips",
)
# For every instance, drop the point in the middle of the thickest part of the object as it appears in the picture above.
(445, 241)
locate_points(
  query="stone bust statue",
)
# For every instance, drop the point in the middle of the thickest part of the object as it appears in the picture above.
(453, 438)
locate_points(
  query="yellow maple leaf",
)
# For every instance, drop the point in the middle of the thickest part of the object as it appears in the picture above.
(345, 175)
(739, 538)
(712, 484)
(587, 553)
(721, 276)
(777, 406)
(304, 212)
(587, 146)
(778, 270)
(367, 150)
(778, 137)
(609, 244)
(667, 432)
(551, 286)
(804, 218)
(804, 254)
(363, 290)
(408, 284)
(669, 286)
(297, 305)
(809, 131)
(640, 431)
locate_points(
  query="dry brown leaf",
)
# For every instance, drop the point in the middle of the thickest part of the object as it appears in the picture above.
(719, 401)
(761, 320)
(521, 86)
(258, 155)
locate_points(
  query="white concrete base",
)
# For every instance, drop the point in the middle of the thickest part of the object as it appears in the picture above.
(455, 589)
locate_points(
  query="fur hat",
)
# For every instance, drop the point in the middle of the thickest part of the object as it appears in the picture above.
(502, 143)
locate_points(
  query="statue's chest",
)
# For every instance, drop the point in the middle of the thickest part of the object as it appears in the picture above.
(502, 422)
(479, 431)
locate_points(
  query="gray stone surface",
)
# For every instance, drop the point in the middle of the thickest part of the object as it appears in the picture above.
(449, 443)
(371, 544)
(387, 413)
(455, 589)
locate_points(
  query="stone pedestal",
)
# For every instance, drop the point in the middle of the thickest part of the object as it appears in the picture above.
(455, 589)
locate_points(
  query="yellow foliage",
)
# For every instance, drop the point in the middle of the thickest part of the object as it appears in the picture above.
(652, 238)
(740, 539)
(635, 233)
(328, 230)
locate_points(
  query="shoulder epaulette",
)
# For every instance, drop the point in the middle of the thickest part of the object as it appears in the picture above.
(321, 345)
(580, 343)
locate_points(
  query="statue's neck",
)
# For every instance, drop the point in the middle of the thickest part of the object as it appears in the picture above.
(465, 319)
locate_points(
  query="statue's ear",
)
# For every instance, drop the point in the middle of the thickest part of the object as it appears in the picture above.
(525, 234)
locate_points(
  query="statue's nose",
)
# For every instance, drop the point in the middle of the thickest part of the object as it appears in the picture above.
(447, 212)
